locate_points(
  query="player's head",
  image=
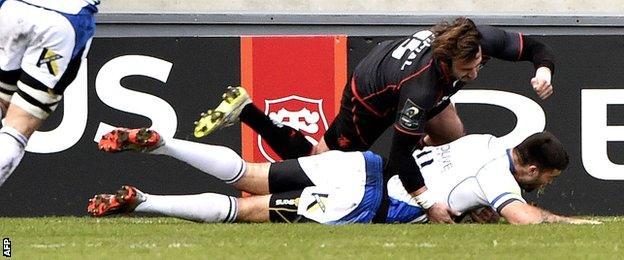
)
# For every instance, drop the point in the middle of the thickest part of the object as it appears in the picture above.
(458, 45)
(540, 157)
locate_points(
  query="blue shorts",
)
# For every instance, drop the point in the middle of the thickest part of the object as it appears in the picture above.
(365, 211)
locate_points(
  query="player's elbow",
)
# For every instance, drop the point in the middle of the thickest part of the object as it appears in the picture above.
(522, 217)
(518, 213)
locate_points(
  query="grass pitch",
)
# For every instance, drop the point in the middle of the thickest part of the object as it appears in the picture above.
(132, 238)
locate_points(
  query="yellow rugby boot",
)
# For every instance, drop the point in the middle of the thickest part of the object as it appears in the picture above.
(226, 114)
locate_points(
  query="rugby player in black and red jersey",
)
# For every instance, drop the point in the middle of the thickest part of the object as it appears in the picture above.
(404, 83)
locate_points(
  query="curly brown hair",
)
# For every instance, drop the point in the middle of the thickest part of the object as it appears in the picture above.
(459, 41)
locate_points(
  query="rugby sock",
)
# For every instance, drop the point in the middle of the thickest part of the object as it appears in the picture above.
(287, 142)
(218, 161)
(12, 146)
(205, 207)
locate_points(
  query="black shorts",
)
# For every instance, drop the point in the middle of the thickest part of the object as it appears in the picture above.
(287, 176)
(286, 183)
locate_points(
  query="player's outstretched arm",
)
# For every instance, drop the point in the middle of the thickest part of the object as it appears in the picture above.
(520, 213)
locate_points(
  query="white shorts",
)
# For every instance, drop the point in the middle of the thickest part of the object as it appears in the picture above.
(348, 187)
(42, 49)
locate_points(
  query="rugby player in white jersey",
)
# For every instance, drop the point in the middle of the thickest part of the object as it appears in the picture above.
(338, 187)
(42, 44)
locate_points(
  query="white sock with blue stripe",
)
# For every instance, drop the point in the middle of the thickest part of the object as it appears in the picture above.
(218, 161)
(205, 207)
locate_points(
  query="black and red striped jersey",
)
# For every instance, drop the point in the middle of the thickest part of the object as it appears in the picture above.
(402, 75)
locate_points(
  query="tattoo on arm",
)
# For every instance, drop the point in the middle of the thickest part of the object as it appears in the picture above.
(548, 217)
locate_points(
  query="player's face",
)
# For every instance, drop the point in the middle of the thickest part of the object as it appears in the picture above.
(467, 70)
(539, 179)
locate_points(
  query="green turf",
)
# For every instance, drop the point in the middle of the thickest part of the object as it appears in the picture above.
(132, 238)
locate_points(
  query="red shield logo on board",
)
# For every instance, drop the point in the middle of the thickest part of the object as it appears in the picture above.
(300, 113)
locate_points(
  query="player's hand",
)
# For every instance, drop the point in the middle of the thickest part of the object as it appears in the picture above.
(541, 82)
(484, 215)
(440, 213)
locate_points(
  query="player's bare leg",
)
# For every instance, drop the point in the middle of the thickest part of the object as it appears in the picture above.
(22, 121)
(255, 180)
(19, 125)
(253, 209)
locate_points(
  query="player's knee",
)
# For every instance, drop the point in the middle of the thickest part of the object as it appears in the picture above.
(253, 209)
(36, 102)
